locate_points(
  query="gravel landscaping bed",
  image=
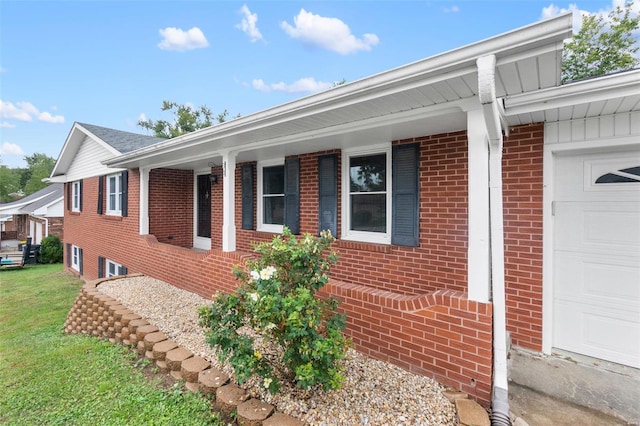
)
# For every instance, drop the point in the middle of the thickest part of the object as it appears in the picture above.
(374, 392)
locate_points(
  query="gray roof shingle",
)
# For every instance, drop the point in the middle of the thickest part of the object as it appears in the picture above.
(120, 140)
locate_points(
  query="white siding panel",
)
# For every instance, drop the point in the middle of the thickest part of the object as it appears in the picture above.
(620, 125)
(87, 161)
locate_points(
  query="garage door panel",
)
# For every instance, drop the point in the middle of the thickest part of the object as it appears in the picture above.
(597, 279)
(596, 259)
(598, 227)
(598, 333)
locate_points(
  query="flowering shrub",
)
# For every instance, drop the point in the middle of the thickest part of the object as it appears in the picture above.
(276, 300)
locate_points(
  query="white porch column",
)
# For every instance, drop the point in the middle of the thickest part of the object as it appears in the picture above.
(144, 201)
(228, 201)
(478, 256)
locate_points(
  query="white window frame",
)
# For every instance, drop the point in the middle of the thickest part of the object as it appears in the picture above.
(75, 196)
(108, 264)
(364, 236)
(266, 227)
(117, 211)
(75, 257)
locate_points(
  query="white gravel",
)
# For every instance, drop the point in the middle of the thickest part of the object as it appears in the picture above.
(374, 392)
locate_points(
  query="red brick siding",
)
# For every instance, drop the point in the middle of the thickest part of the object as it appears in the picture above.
(216, 209)
(171, 206)
(523, 185)
(56, 227)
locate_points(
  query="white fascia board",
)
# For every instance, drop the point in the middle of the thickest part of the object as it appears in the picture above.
(581, 92)
(429, 70)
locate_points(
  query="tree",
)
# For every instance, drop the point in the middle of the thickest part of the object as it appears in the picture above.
(602, 45)
(9, 182)
(187, 119)
(39, 166)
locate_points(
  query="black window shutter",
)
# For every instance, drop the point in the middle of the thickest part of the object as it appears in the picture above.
(328, 193)
(68, 254)
(122, 270)
(69, 194)
(124, 181)
(100, 267)
(405, 193)
(100, 193)
(80, 195)
(247, 196)
(80, 260)
(292, 194)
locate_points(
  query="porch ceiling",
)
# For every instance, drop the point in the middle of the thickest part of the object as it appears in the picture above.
(426, 97)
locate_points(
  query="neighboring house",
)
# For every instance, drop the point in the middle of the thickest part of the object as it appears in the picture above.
(37, 216)
(471, 195)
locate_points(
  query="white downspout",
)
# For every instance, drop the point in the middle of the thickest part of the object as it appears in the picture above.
(491, 110)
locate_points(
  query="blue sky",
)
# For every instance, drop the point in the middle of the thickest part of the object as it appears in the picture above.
(111, 63)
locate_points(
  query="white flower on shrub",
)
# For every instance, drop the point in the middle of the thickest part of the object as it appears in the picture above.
(253, 296)
(255, 275)
(267, 381)
(267, 273)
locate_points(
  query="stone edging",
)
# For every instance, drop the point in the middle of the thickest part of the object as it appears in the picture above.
(96, 314)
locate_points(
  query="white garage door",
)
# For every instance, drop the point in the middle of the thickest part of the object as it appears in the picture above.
(597, 255)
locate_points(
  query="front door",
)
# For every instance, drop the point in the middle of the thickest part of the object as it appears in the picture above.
(202, 209)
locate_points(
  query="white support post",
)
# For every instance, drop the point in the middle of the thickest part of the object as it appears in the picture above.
(228, 202)
(478, 256)
(144, 201)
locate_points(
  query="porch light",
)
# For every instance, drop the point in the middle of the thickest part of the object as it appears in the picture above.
(213, 179)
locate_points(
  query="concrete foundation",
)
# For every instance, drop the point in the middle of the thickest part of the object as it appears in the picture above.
(606, 387)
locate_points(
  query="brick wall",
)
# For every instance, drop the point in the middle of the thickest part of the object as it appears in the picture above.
(523, 184)
(405, 305)
(56, 227)
(171, 206)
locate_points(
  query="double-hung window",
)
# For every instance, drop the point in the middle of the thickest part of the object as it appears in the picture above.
(114, 194)
(367, 194)
(76, 189)
(271, 197)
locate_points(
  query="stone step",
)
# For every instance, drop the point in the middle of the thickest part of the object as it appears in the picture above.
(470, 413)
(192, 367)
(279, 419)
(210, 380)
(253, 412)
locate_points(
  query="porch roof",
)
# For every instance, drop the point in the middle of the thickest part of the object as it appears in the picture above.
(429, 96)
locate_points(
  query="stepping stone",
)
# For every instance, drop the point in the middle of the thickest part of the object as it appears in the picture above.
(152, 338)
(144, 330)
(192, 367)
(279, 419)
(210, 380)
(453, 394)
(160, 349)
(470, 413)
(228, 397)
(253, 412)
(174, 360)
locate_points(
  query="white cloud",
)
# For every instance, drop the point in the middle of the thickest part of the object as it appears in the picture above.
(26, 111)
(7, 125)
(49, 118)
(248, 24)
(9, 148)
(180, 40)
(307, 84)
(452, 9)
(327, 33)
(553, 10)
(142, 117)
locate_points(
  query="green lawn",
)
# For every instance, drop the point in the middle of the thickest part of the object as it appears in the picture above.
(51, 378)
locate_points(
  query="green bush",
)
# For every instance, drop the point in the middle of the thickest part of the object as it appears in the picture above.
(300, 334)
(50, 250)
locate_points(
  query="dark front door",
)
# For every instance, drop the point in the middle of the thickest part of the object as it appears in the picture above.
(204, 206)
